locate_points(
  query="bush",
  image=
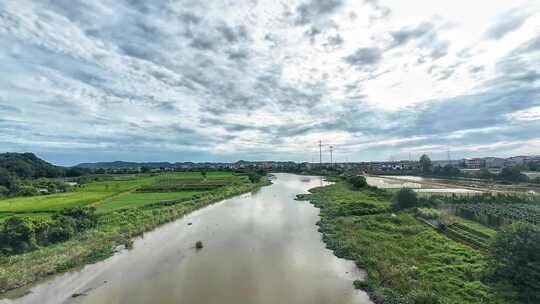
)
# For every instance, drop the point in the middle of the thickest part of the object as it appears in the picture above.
(515, 254)
(62, 230)
(27, 191)
(4, 191)
(22, 234)
(84, 217)
(18, 235)
(405, 198)
(357, 182)
(199, 245)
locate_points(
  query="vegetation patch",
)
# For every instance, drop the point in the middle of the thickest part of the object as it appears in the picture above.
(406, 260)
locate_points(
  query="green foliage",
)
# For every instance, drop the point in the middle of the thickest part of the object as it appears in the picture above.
(18, 235)
(22, 233)
(516, 255)
(255, 176)
(448, 170)
(357, 182)
(406, 261)
(26, 190)
(426, 166)
(3, 191)
(491, 209)
(405, 198)
(428, 213)
(27, 165)
(513, 174)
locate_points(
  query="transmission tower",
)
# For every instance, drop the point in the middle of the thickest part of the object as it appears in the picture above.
(320, 154)
(331, 159)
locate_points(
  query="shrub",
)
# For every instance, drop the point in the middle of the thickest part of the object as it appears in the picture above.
(405, 198)
(18, 235)
(84, 217)
(357, 182)
(62, 230)
(199, 245)
(515, 254)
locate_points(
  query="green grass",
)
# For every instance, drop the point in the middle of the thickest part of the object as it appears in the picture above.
(406, 260)
(132, 200)
(476, 226)
(114, 191)
(51, 202)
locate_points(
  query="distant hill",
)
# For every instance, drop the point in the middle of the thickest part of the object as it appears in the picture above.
(123, 165)
(28, 165)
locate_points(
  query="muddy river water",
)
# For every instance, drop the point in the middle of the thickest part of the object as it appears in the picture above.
(261, 247)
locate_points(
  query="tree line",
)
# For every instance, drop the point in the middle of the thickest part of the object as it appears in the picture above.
(508, 173)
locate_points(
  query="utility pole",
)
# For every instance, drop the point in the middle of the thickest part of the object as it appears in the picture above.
(320, 154)
(331, 159)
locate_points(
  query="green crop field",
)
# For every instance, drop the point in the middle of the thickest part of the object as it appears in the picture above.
(118, 192)
(131, 200)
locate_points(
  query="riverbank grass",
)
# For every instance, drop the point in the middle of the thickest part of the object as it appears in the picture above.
(406, 260)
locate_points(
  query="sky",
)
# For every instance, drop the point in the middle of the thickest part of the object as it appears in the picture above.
(168, 80)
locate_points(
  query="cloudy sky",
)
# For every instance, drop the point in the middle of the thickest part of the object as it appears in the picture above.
(222, 80)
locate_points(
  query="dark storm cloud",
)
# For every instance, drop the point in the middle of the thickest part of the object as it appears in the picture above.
(507, 23)
(311, 10)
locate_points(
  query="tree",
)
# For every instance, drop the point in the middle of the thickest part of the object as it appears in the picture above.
(513, 173)
(254, 177)
(405, 198)
(7, 179)
(18, 234)
(357, 182)
(203, 173)
(3, 191)
(515, 254)
(426, 166)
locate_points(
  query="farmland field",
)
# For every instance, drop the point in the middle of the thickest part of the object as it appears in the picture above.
(131, 200)
(120, 192)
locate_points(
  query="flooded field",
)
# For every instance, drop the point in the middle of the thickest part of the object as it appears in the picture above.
(418, 183)
(448, 190)
(388, 183)
(262, 247)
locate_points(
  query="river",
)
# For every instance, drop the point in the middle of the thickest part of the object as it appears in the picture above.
(259, 248)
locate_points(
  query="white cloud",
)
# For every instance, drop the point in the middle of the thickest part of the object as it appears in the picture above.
(265, 79)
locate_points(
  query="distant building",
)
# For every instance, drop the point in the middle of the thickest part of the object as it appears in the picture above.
(475, 163)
